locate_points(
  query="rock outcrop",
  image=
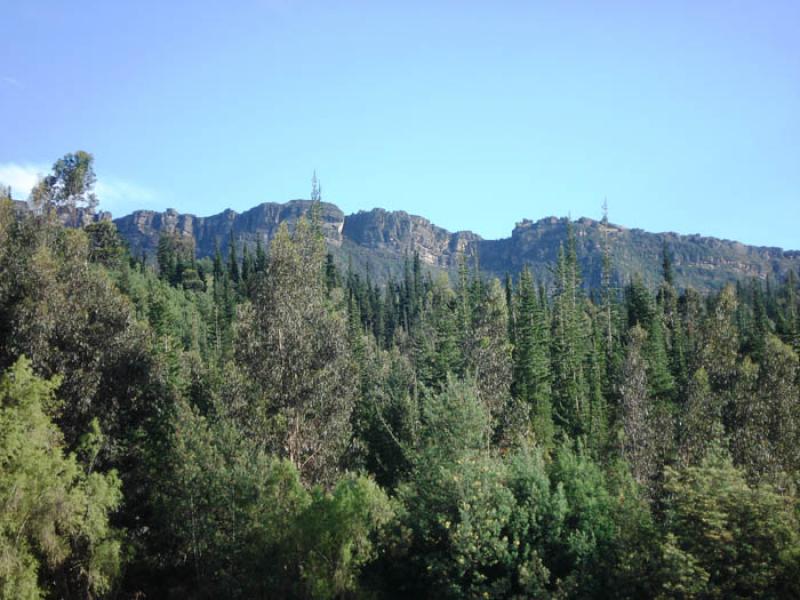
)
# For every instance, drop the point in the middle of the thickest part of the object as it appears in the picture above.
(404, 234)
(379, 241)
(142, 228)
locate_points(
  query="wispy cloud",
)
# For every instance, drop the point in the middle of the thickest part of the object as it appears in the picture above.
(113, 193)
(21, 177)
(10, 81)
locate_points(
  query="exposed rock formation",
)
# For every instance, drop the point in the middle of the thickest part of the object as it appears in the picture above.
(401, 233)
(142, 228)
(379, 241)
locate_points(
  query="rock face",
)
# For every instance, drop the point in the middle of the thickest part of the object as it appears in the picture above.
(142, 228)
(401, 233)
(700, 262)
(379, 241)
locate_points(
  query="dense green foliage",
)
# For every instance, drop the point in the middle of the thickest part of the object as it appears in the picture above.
(265, 425)
(54, 519)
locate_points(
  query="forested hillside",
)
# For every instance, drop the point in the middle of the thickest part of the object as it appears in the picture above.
(265, 423)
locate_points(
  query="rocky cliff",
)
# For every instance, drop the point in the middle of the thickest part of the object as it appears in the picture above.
(378, 241)
(142, 228)
(698, 261)
(401, 233)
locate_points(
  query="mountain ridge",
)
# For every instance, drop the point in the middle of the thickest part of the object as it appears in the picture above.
(379, 240)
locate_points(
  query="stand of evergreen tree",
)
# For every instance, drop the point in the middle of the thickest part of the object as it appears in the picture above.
(268, 424)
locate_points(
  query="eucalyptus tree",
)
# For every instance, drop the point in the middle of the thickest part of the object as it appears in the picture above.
(292, 342)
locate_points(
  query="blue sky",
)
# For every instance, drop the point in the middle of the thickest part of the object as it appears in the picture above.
(684, 115)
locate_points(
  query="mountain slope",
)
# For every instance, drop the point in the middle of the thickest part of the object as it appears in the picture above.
(378, 241)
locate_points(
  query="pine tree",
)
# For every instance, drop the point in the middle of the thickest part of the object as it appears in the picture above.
(331, 273)
(639, 303)
(761, 325)
(407, 297)
(659, 376)
(261, 257)
(167, 259)
(447, 358)
(378, 314)
(596, 369)
(667, 271)
(791, 329)
(609, 307)
(570, 392)
(316, 188)
(219, 270)
(390, 315)
(247, 267)
(509, 291)
(233, 262)
(531, 358)
(465, 308)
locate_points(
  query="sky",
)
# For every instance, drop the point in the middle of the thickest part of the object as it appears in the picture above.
(685, 116)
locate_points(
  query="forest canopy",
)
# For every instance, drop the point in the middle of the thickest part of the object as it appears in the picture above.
(265, 424)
